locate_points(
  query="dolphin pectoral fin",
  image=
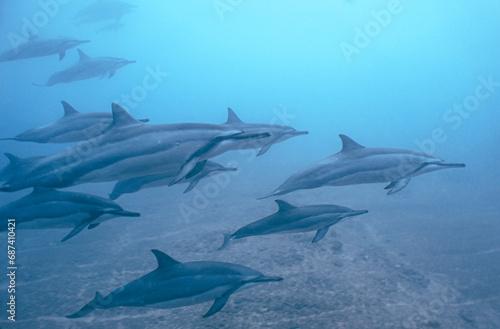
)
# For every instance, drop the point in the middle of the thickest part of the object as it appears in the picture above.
(111, 74)
(192, 185)
(264, 149)
(61, 55)
(80, 227)
(398, 185)
(185, 170)
(91, 306)
(92, 226)
(222, 300)
(391, 185)
(197, 169)
(227, 239)
(320, 234)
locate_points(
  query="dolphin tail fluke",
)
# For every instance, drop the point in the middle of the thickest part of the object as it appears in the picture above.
(9, 139)
(90, 307)
(38, 85)
(227, 239)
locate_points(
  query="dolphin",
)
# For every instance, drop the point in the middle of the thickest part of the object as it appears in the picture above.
(39, 47)
(135, 184)
(356, 164)
(73, 127)
(103, 10)
(292, 219)
(86, 68)
(129, 148)
(48, 208)
(174, 284)
(278, 133)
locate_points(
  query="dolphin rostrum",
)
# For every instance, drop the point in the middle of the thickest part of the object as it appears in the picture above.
(356, 164)
(48, 208)
(39, 47)
(129, 148)
(174, 284)
(73, 127)
(278, 133)
(291, 219)
(136, 184)
(87, 68)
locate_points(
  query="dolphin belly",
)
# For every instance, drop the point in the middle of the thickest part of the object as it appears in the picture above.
(68, 221)
(204, 297)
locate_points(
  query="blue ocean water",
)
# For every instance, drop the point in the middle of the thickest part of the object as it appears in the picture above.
(418, 75)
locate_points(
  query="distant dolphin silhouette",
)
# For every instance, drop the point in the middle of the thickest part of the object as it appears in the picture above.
(87, 68)
(73, 127)
(175, 284)
(48, 208)
(40, 47)
(103, 10)
(356, 164)
(291, 219)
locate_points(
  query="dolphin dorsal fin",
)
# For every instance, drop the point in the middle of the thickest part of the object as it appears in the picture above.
(121, 117)
(284, 206)
(163, 259)
(348, 144)
(83, 56)
(68, 109)
(14, 159)
(232, 118)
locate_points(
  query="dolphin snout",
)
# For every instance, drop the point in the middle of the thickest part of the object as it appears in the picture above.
(358, 212)
(228, 169)
(298, 133)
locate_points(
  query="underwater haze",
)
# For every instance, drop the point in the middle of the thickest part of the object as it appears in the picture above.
(401, 74)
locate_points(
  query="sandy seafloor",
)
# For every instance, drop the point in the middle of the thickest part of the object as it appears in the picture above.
(426, 257)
